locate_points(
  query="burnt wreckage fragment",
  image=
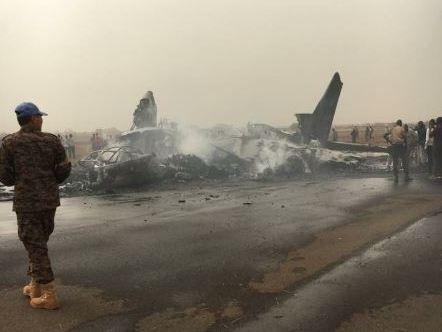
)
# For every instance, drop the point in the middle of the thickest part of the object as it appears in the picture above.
(317, 125)
(132, 160)
(145, 115)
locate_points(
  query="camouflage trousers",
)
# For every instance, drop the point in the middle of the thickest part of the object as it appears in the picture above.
(34, 229)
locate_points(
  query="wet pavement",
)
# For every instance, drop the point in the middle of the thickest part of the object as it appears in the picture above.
(393, 286)
(215, 257)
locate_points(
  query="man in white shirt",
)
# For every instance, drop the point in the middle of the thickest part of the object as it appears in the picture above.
(429, 145)
(398, 139)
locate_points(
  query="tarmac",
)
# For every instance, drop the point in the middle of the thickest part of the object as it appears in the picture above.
(346, 254)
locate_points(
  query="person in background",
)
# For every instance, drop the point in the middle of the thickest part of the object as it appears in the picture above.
(387, 140)
(99, 142)
(354, 135)
(334, 135)
(429, 144)
(61, 138)
(367, 134)
(71, 147)
(398, 150)
(420, 148)
(66, 143)
(437, 148)
(370, 135)
(93, 143)
(411, 142)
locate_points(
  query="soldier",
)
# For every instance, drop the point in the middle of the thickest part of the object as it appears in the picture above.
(35, 163)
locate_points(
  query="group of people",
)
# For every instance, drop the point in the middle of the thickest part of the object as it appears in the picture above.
(419, 144)
(69, 145)
(369, 134)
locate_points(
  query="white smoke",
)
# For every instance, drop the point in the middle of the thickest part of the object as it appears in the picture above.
(191, 140)
(265, 153)
(271, 154)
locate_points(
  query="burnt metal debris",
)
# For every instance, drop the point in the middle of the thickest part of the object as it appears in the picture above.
(145, 115)
(118, 166)
(151, 152)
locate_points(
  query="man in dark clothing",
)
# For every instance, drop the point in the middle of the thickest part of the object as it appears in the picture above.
(354, 135)
(35, 163)
(437, 148)
(421, 138)
(367, 134)
(334, 135)
(429, 144)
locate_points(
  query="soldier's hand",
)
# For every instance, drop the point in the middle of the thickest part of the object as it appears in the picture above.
(64, 163)
(62, 171)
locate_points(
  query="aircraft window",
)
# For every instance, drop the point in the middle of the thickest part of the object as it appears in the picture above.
(106, 156)
(124, 156)
(92, 156)
(114, 158)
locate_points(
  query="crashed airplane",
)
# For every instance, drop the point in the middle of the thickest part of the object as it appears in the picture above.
(148, 150)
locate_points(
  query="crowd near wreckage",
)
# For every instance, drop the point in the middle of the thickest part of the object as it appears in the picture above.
(153, 152)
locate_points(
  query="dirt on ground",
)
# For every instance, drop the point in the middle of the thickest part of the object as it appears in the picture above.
(334, 245)
(421, 314)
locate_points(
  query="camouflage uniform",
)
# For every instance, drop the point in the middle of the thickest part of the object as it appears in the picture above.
(34, 162)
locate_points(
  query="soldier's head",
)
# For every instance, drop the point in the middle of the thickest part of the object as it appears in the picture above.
(28, 114)
(399, 123)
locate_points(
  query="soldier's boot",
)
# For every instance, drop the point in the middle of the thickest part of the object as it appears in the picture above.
(32, 290)
(48, 299)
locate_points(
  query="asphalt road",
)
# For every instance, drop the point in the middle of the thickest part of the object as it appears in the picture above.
(393, 286)
(217, 257)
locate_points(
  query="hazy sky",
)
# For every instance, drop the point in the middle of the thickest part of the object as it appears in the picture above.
(88, 62)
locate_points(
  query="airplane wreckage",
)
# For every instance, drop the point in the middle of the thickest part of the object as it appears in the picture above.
(152, 151)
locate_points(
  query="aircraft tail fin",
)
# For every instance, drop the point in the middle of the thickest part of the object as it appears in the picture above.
(325, 110)
(318, 125)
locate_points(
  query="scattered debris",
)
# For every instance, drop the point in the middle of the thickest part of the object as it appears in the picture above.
(118, 165)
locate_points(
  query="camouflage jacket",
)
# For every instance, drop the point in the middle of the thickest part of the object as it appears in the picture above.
(35, 163)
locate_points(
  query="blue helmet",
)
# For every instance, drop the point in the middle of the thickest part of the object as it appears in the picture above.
(28, 109)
